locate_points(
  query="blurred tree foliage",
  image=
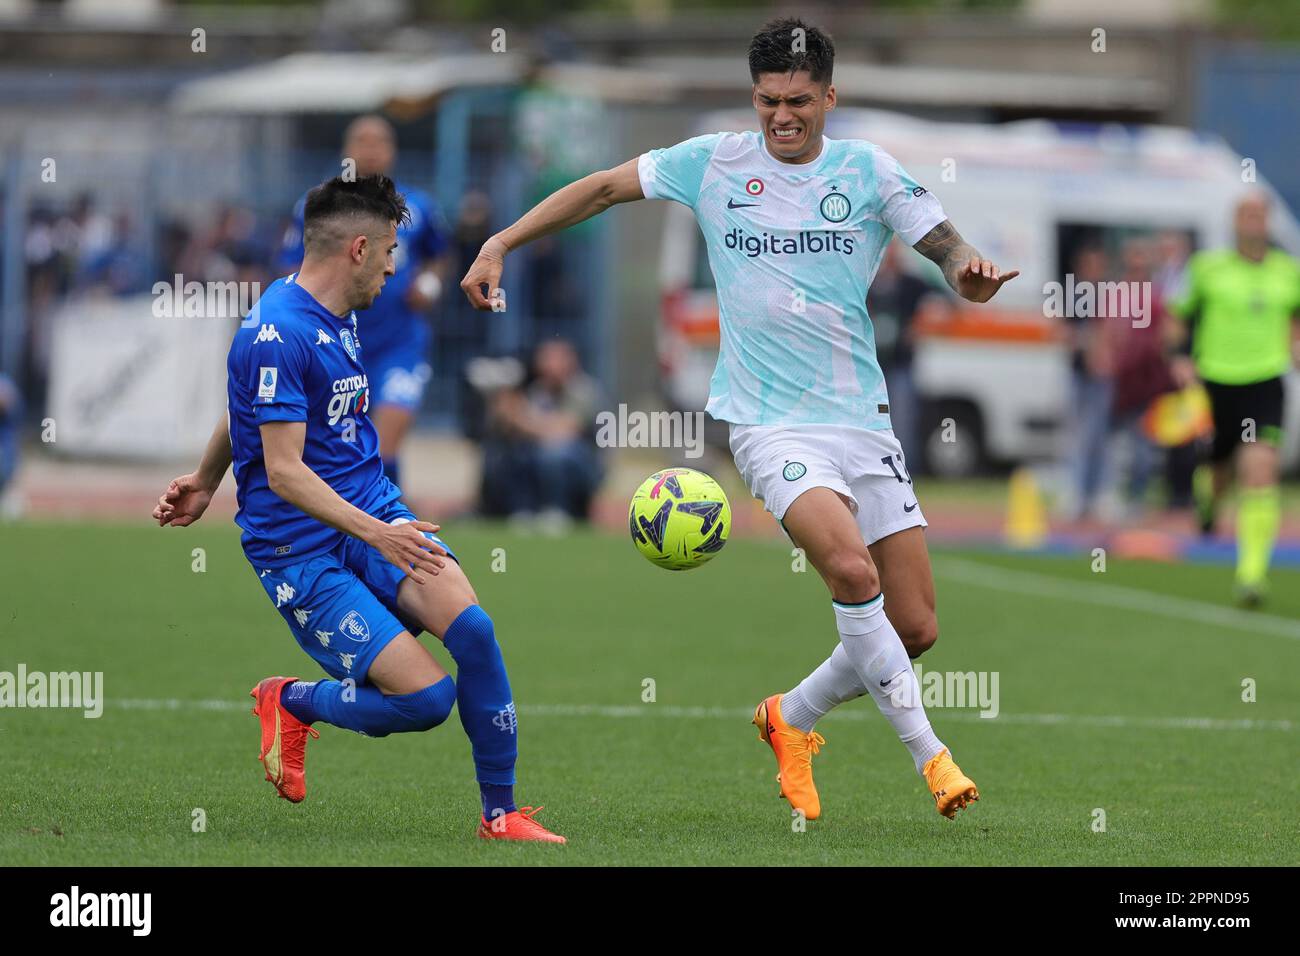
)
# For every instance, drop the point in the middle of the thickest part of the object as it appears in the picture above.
(536, 10)
(1267, 19)
(1271, 19)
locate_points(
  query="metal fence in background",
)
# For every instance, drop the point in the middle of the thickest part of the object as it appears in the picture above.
(209, 199)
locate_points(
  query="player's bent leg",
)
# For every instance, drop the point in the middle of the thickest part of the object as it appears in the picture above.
(342, 624)
(903, 563)
(820, 522)
(435, 604)
(405, 666)
(287, 707)
(404, 691)
(446, 606)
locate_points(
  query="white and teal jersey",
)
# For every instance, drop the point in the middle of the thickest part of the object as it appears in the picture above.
(793, 249)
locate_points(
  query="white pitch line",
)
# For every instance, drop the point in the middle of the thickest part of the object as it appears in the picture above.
(745, 714)
(996, 578)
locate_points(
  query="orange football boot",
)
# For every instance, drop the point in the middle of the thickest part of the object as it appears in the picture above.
(517, 825)
(952, 789)
(794, 751)
(284, 739)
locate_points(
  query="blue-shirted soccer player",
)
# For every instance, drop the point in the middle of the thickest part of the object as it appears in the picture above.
(347, 565)
(397, 329)
(796, 225)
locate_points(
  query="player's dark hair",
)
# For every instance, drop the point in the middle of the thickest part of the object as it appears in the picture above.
(338, 204)
(788, 45)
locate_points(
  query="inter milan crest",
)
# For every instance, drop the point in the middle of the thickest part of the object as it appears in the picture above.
(345, 336)
(836, 206)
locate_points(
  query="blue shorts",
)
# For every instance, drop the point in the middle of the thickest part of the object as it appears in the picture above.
(398, 377)
(342, 605)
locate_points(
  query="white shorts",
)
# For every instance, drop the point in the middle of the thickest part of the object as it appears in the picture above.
(781, 462)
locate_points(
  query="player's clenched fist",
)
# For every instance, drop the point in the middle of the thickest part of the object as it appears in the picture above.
(184, 501)
(482, 283)
(406, 546)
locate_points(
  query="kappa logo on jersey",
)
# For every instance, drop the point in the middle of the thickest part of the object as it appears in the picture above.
(346, 660)
(283, 593)
(267, 333)
(351, 396)
(300, 615)
(267, 376)
(322, 338)
(324, 637)
(354, 627)
(349, 343)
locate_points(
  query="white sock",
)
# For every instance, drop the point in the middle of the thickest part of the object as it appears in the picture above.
(831, 684)
(877, 654)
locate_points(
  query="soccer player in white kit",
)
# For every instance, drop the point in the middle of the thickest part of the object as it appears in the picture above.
(796, 225)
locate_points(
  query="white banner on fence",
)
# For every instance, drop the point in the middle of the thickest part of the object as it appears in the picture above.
(126, 383)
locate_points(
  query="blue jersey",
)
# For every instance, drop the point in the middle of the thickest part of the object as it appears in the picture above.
(390, 323)
(293, 360)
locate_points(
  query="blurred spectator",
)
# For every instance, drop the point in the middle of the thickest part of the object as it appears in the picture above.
(893, 301)
(114, 268)
(549, 288)
(84, 233)
(540, 454)
(1141, 370)
(473, 226)
(1092, 368)
(10, 412)
(1172, 250)
(231, 245)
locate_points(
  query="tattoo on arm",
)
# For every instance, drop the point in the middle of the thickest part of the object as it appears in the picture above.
(944, 246)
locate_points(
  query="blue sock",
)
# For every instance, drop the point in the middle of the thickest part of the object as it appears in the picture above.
(366, 710)
(487, 708)
(391, 470)
(498, 800)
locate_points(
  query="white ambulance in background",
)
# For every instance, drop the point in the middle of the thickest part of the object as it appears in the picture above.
(1000, 370)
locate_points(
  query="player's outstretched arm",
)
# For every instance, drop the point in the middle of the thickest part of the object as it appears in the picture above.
(578, 201)
(289, 477)
(969, 274)
(188, 496)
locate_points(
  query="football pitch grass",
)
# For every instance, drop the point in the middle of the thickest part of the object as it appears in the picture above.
(1119, 694)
